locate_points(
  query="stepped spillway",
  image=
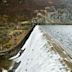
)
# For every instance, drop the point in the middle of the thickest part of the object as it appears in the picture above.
(38, 55)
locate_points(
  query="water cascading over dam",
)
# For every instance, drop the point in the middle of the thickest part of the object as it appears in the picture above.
(39, 56)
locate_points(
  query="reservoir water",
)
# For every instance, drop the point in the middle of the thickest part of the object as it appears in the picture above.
(63, 33)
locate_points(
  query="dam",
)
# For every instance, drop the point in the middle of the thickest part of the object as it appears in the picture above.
(39, 54)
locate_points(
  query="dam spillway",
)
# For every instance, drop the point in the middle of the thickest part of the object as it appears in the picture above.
(39, 55)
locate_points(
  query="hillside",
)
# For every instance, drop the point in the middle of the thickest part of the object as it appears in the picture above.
(24, 7)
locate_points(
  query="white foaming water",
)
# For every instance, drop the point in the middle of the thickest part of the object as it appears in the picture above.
(38, 55)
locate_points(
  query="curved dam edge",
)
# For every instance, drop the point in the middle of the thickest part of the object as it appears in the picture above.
(39, 55)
